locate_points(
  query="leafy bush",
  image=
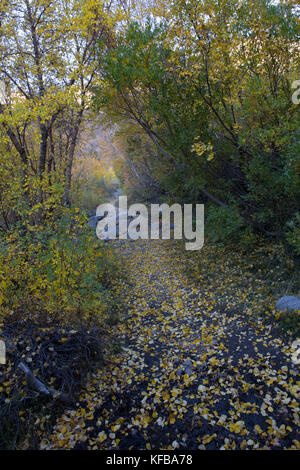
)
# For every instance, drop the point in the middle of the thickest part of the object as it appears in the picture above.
(61, 270)
(222, 223)
(215, 108)
(293, 234)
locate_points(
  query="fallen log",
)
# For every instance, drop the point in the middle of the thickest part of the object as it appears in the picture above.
(41, 388)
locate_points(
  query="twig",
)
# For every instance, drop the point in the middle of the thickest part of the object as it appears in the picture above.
(41, 388)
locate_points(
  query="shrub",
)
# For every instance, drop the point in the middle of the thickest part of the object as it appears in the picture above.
(60, 270)
(293, 234)
(58, 304)
(223, 223)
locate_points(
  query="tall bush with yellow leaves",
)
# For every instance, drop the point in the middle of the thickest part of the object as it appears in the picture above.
(59, 270)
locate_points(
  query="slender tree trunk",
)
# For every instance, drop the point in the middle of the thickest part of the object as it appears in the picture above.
(43, 149)
(74, 136)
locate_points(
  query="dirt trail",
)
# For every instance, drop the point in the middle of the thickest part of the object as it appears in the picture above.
(191, 375)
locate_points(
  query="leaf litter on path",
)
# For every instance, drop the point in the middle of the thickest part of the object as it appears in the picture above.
(190, 375)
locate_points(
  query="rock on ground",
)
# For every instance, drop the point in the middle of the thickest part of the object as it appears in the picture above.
(288, 302)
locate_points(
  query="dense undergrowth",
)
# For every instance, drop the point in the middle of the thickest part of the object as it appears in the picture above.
(58, 305)
(61, 269)
(201, 96)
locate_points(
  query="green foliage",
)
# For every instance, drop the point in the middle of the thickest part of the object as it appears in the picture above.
(210, 88)
(223, 223)
(293, 234)
(138, 57)
(61, 269)
(88, 195)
